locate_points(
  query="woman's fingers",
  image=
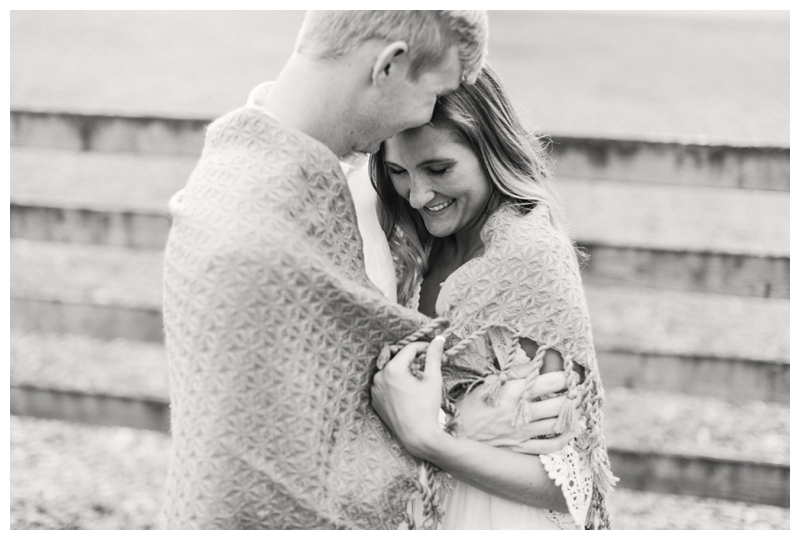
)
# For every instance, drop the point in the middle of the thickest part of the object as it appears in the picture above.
(433, 356)
(405, 356)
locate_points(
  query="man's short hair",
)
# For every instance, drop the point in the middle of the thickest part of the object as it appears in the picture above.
(429, 35)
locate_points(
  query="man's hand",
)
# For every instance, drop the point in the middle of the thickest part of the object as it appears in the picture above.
(410, 406)
(493, 424)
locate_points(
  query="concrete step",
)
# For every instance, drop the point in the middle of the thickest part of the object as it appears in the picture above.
(725, 346)
(678, 237)
(679, 269)
(684, 238)
(636, 420)
(693, 162)
(659, 441)
(66, 475)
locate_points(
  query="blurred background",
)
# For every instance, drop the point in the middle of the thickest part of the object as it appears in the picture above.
(670, 134)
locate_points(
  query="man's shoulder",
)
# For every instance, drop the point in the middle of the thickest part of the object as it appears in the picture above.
(252, 130)
(245, 124)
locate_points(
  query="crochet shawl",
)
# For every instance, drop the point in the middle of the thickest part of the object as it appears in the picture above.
(272, 330)
(526, 284)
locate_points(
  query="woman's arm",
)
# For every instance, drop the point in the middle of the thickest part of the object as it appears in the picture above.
(495, 424)
(411, 406)
(506, 473)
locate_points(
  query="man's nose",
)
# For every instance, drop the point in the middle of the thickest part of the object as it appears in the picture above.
(421, 193)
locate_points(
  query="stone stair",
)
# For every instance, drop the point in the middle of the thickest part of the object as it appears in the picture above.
(687, 285)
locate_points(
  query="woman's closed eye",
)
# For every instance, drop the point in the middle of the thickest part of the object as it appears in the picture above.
(394, 171)
(438, 171)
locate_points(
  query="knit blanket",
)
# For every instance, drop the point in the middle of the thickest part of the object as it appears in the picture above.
(527, 284)
(272, 329)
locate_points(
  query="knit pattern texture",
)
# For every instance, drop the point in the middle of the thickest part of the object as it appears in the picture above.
(527, 285)
(272, 330)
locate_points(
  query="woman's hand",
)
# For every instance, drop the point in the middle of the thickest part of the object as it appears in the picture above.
(410, 406)
(493, 424)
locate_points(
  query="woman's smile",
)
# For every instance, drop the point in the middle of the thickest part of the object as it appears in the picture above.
(441, 177)
(439, 208)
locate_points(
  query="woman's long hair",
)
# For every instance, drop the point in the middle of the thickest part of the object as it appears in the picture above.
(514, 160)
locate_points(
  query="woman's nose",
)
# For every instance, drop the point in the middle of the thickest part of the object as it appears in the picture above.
(421, 193)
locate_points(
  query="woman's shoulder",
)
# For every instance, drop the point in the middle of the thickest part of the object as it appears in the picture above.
(514, 231)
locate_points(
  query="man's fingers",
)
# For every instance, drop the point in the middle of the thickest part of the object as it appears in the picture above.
(536, 429)
(525, 432)
(433, 358)
(520, 371)
(548, 383)
(544, 446)
(541, 410)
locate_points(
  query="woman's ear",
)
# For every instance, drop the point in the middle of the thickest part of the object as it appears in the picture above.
(387, 64)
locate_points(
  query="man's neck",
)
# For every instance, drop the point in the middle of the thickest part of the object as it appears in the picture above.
(312, 96)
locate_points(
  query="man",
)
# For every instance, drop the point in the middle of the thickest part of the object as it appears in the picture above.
(272, 325)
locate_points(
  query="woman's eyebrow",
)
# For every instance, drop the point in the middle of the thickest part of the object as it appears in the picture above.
(425, 163)
(436, 161)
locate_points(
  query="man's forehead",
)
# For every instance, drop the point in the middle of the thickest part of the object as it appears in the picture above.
(447, 75)
(450, 69)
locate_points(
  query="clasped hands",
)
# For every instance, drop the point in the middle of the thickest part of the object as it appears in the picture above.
(410, 406)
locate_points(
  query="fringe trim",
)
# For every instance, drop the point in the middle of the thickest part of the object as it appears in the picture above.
(433, 483)
(490, 391)
(597, 518)
(604, 479)
(568, 418)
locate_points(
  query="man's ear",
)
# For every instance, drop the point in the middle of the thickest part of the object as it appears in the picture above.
(387, 62)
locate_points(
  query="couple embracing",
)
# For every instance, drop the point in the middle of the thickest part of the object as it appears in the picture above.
(400, 345)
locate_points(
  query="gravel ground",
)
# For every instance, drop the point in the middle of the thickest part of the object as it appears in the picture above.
(70, 476)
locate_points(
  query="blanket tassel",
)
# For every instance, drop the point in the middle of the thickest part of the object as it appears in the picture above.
(568, 418)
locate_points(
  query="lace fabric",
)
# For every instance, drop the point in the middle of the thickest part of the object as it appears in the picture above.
(571, 471)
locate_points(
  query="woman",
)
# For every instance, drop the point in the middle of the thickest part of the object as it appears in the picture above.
(475, 232)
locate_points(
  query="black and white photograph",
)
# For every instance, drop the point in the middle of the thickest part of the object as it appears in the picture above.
(399, 269)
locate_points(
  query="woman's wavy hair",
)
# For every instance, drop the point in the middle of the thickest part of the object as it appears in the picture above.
(514, 159)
